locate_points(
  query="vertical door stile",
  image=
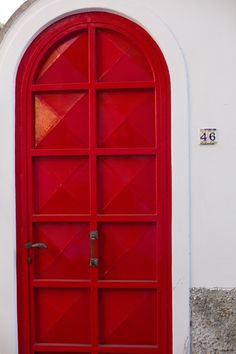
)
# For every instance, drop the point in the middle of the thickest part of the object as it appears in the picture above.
(21, 224)
(163, 186)
(93, 181)
(30, 194)
(26, 209)
(158, 200)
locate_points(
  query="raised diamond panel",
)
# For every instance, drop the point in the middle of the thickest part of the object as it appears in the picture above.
(120, 59)
(56, 310)
(61, 120)
(126, 118)
(127, 185)
(68, 252)
(128, 317)
(128, 251)
(66, 61)
(62, 185)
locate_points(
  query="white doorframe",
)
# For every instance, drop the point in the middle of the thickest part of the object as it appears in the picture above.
(21, 33)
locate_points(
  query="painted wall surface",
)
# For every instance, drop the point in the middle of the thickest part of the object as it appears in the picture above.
(206, 33)
(207, 37)
(198, 41)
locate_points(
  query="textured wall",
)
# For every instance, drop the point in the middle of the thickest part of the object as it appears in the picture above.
(213, 321)
(14, 17)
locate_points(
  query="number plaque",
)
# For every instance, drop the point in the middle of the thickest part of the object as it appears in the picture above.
(208, 136)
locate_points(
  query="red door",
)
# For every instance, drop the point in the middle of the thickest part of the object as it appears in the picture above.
(93, 190)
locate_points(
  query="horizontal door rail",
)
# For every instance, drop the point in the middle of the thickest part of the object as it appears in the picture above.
(99, 218)
(97, 151)
(100, 284)
(77, 348)
(97, 85)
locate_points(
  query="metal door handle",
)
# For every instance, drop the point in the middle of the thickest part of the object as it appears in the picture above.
(93, 238)
(29, 245)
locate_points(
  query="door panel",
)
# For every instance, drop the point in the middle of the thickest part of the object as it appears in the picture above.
(67, 256)
(128, 317)
(127, 185)
(119, 59)
(61, 64)
(128, 251)
(62, 185)
(123, 114)
(94, 190)
(61, 120)
(55, 312)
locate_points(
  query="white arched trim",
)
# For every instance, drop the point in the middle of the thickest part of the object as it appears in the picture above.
(38, 16)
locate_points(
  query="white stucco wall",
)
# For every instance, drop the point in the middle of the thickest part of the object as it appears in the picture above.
(206, 32)
(198, 41)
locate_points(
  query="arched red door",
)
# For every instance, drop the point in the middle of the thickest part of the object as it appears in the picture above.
(93, 190)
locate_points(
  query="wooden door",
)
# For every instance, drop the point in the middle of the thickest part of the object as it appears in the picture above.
(93, 190)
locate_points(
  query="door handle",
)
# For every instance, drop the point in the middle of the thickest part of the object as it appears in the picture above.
(93, 238)
(29, 245)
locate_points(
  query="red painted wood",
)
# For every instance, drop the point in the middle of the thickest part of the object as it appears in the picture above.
(112, 85)
(93, 153)
(139, 284)
(65, 348)
(101, 151)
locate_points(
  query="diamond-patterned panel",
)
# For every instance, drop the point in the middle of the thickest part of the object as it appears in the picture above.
(66, 61)
(128, 317)
(119, 59)
(61, 120)
(68, 252)
(128, 251)
(56, 310)
(127, 185)
(126, 118)
(62, 185)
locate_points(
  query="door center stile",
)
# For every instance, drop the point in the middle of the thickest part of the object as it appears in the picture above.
(93, 183)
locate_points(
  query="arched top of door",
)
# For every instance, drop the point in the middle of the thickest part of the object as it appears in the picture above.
(121, 51)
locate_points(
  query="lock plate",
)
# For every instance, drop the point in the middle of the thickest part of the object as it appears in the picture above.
(94, 235)
(94, 262)
(93, 238)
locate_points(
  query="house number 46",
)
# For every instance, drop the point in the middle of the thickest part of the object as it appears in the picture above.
(208, 136)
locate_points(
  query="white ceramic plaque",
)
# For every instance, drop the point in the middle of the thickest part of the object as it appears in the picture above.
(208, 136)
